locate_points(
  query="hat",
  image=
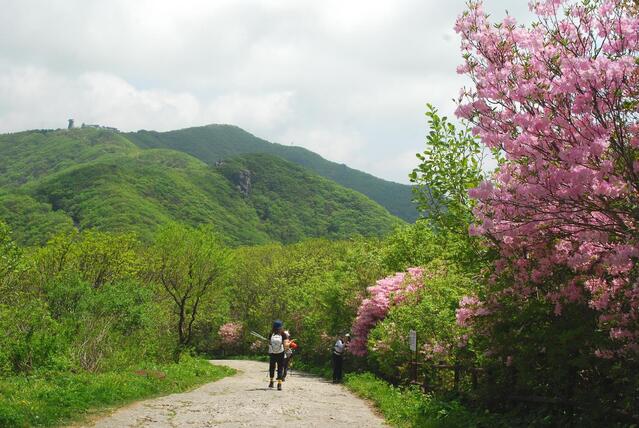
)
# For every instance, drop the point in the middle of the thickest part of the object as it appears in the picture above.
(347, 335)
(277, 324)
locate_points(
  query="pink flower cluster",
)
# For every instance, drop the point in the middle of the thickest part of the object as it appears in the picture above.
(230, 333)
(386, 292)
(470, 307)
(257, 346)
(435, 351)
(561, 101)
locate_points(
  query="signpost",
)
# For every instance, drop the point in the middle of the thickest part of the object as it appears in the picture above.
(412, 344)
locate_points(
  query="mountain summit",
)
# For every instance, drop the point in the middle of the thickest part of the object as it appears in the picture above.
(213, 143)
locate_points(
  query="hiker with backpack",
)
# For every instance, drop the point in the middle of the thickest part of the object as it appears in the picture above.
(288, 355)
(277, 345)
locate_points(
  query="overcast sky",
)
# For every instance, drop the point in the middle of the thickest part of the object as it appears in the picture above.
(346, 79)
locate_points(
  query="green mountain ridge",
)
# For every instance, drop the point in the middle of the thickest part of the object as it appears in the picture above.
(213, 143)
(52, 181)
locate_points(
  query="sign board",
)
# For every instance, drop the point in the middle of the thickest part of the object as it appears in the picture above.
(412, 340)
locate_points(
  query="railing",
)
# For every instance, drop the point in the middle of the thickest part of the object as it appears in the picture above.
(474, 372)
(458, 369)
(428, 380)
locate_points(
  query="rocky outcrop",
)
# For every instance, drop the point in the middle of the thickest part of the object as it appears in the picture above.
(244, 182)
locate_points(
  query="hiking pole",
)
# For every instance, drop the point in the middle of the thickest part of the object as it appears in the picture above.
(259, 336)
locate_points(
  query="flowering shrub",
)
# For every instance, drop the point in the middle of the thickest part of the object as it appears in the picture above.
(469, 308)
(230, 334)
(434, 351)
(383, 294)
(430, 311)
(257, 346)
(560, 100)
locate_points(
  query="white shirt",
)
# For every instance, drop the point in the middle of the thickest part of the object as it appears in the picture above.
(339, 347)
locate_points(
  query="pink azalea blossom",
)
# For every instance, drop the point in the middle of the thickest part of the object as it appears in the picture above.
(382, 296)
(559, 101)
(230, 333)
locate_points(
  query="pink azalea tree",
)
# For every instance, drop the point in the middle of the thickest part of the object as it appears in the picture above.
(230, 335)
(386, 292)
(560, 101)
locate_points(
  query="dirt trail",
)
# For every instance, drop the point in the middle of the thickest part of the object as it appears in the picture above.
(244, 400)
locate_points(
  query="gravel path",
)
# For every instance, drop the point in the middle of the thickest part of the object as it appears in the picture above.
(244, 400)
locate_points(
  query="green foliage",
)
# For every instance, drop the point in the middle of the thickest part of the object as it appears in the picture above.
(9, 253)
(450, 166)
(144, 192)
(190, 265)
(409, 407)
(315, 286)
(429, 311)
(30, 338)
(214, 143)
(51, 398)
(278, 189)
(53, 181)
(26, 324)
(77, 304)
(30, 155)
(80, 314)
(534, 354)
(411, 245)
(96, 257)
(34, 222)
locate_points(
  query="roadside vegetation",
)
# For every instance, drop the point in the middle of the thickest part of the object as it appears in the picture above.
(49, 398)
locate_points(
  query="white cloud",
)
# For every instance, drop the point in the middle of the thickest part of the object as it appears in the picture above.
(347, 79)
(37, 98)
(403, 161)
(330, 143)
(263, 112)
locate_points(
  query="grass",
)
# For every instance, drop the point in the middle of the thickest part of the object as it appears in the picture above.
(409, 407)
(257, 357)
(53, 398)
(324, 371)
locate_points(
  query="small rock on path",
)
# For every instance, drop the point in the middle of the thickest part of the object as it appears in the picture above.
(244, 400)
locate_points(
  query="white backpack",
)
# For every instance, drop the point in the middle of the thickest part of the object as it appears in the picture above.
(276, 344)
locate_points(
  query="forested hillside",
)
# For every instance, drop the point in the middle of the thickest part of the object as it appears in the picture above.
(51, 181)
(213, 143)
(293, 203)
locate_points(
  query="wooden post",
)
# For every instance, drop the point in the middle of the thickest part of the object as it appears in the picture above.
(457, 375)
(473, 377)
(425, 384)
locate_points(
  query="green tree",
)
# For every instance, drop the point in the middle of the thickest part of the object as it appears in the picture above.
(188, 264)
(97, 257)
(9, 254)
(451, 165)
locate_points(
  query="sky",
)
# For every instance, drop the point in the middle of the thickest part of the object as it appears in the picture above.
(346, 79)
